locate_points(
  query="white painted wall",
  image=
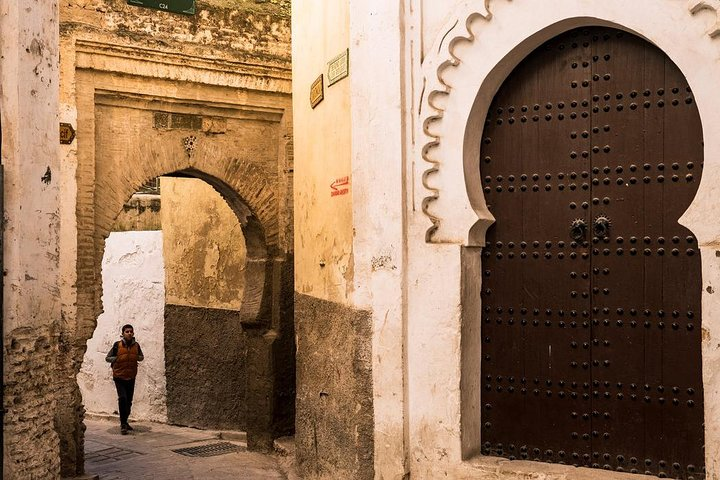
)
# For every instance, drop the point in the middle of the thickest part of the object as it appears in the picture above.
(133, 276)
(469, 58)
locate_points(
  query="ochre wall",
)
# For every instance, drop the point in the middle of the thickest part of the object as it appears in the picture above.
(323, 223)
(334, 426)
(31, 317)
(141, 212)
(203, 246)
(205, 346)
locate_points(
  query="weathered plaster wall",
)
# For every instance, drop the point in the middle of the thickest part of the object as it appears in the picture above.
(323, 223)
(204, 247)
(32, 322)
(133, 292)
(334, 436)
(379, 220)
(334, 426)
(372, 281)
(243, 29)
(205, 257)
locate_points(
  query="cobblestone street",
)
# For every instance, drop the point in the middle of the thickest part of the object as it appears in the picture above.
(148, 452)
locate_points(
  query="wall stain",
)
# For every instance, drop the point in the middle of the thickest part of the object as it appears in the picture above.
(47, 178)
(36, 48)
(382, 262)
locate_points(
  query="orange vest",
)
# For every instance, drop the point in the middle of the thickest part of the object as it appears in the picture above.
(126, 365)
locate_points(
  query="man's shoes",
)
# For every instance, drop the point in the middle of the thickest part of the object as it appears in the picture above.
(128, 427)
(123, 430)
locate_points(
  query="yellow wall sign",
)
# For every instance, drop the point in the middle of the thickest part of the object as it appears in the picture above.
(67, 133)
(339, 67)
(317, 92)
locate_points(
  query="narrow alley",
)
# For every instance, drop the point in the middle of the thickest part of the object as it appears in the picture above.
(151, 451)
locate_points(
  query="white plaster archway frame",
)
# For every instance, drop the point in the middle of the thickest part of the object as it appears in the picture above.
(479, 48)
(464, 69)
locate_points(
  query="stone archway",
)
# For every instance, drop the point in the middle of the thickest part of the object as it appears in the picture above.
(464, 70)
(112, 170)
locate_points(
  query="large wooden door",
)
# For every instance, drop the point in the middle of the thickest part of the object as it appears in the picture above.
(592, 150)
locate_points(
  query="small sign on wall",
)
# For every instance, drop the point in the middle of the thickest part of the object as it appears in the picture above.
(340, 186)
(339, 67)
(175, 6)
(317, 92)
(67, 133)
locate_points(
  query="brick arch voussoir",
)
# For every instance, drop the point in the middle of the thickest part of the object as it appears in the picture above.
(244, 185)
(252, 184)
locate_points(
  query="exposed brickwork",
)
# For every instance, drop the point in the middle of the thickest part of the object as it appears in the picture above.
(230, 65)
(31, 445)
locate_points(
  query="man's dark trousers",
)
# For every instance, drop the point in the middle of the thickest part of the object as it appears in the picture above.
(125, 390)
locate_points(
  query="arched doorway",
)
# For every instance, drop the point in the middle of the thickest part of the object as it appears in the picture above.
(592, 150)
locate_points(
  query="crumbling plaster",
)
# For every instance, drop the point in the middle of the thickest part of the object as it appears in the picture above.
(32, 321)
(204, 246)
(133, 277)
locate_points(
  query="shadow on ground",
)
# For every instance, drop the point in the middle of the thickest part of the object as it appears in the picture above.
(147, 452)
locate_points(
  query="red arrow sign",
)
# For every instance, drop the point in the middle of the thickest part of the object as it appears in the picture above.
(336, 186)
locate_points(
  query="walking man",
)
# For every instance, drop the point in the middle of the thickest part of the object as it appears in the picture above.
(124, 357)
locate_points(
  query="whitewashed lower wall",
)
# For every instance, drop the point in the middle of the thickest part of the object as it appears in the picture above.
(133, 276)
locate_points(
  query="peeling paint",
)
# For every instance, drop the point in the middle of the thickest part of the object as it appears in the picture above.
(36, 47)
(133, 292)
(205, 249)
(383, 262)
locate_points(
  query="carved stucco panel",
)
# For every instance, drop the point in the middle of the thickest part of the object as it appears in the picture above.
(696, 6)
(449, 74)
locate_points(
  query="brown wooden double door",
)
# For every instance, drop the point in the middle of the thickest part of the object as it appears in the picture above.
(591, 348)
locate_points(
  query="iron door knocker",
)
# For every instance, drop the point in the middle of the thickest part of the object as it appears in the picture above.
(601, 228)
(577, 229)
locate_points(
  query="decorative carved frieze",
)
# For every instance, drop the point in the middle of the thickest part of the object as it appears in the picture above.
(439, 89)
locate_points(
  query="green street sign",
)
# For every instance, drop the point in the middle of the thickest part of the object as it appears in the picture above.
(176, 6)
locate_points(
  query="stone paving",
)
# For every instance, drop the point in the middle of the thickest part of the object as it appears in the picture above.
(147, 452)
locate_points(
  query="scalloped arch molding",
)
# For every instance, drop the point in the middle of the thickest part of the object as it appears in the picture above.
(485, 40)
